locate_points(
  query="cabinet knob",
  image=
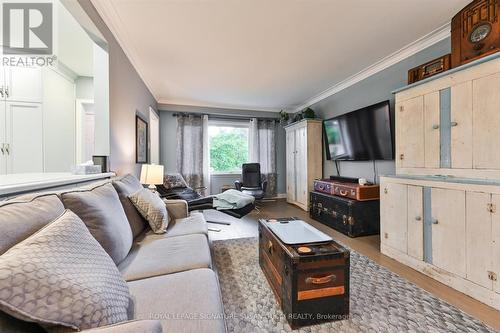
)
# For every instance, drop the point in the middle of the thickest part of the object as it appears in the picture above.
(2, 149)
(1, 92)
(7, 91)
(401, 156)
(453, 124)
(435, 221)
(7, 149)
(418, 218)
(435, 126)
(385, 190)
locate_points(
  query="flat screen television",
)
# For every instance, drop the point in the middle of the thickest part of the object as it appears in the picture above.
(360, 135)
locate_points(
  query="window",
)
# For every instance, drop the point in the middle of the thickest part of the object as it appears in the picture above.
(228, 142)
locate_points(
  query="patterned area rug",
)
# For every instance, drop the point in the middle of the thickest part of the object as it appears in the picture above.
(381, 301)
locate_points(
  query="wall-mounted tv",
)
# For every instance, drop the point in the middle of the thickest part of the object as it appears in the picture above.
(360, 135)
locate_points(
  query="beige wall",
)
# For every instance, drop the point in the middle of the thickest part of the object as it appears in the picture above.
(128, 95)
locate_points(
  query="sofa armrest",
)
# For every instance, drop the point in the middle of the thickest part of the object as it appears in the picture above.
(177, 208)
(132, 326)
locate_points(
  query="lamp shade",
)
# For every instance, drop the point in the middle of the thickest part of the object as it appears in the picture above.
(152, 174)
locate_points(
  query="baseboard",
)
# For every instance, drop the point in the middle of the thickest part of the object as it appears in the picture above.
(281, 196)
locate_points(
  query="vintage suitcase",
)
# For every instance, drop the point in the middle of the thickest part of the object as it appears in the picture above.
(310, 288)
(347, 189)
(323, 186)
(351, 217)
(356, 191)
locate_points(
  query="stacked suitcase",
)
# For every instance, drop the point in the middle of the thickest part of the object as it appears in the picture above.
(346, 206)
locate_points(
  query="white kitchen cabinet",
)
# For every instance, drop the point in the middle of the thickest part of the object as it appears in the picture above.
(394, 214)
(415, 222)
(461, 126)
(304, 160)
(3, 140)
(479, 238)
(431, 130)
(410, 133)
(23, 84)
(448, 230)
(486, 122)
(495, 236)
(24, 134)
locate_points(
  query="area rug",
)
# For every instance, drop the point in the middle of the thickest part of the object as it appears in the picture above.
(381, 301)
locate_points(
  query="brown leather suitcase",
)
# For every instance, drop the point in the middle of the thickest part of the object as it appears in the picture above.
(356, 191)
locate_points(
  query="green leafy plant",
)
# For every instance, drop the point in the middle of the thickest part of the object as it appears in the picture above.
(284, 117)
(228, 151)
(308, 113)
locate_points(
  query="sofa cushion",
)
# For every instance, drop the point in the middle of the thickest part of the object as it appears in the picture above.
(175, 298)
(61, 276)
(152, 256)
(101, 210)
(133, 326)
(152, 208)
(193, 224)
(125, 186)
(23, 216)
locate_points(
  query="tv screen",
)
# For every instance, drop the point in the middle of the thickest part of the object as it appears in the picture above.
(360, 135)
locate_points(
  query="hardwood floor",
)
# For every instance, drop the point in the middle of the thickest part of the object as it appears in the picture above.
(368, 246)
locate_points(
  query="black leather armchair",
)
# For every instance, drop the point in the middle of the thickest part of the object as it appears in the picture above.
(251, 182)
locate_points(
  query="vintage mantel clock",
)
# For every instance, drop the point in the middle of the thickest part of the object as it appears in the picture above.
(475, 32)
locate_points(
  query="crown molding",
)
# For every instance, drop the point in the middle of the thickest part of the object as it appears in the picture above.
(112, 20)
(164, 103)
(420, 44)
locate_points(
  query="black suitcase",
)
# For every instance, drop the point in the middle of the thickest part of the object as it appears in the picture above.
(351, 217)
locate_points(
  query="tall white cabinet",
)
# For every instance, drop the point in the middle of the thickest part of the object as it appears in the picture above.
(440, 213)
(21, 120)
(304, 160)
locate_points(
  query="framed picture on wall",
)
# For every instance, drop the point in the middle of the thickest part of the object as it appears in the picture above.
(141, 140)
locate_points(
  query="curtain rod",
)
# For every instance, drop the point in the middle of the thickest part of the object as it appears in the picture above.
(223, 116)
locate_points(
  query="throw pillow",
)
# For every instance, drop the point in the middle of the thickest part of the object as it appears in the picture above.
(100, 209)
(125, 186)
(152, 208)
(61, 276)
(174, 180)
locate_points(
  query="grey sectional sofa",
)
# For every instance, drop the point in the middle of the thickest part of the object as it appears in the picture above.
(170, 278)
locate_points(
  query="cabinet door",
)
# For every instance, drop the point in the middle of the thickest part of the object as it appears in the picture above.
(3, 139)
(301, 164)
(461, 126)
(25, 137)
(486, 122)
(431, 130)
(410, 133)
(415, 222)
(479, 243)
(24, 84)
(290, 165)
(448, 230)
(394, 216)
(495, 235)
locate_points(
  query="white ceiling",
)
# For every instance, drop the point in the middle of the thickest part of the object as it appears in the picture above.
(263, 54)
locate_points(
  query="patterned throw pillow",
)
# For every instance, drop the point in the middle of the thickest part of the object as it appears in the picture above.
(174, 180)
(152, 208)
(61, 276)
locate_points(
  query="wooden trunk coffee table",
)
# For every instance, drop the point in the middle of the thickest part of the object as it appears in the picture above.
(310, 280)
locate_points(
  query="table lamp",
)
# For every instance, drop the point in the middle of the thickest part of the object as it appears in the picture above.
(152, 174)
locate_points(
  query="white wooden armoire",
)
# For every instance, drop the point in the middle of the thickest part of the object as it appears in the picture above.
(304, 160)
(440, 213)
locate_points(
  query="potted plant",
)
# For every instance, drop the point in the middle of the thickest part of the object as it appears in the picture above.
(284, 117)
(308, 113)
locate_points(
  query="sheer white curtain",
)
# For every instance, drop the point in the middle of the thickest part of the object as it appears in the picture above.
(262, 150)
(193, 158)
